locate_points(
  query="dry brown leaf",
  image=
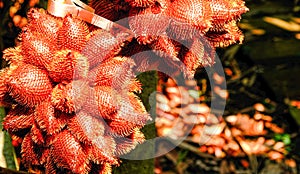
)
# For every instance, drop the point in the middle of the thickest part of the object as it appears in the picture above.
(232, 145)
(172, 89)
(273, 155)
(295, 103)
(216, 141)
(214, 129)
(228, 71)
(196, 138)
(258, 32)
(245, 163)
(212, 119)
(221, 92)
(231, 119)
(246, 26)
(160, 98)
(259, 107)
(194, 119)
(278, 145)
(163, 106)
(274, 127)
(227, 133)
(219, 153)
(291, 163)
(258, 128)
(236, 132)
(218, 79)
(296, 19)
(197, 109)
(289, 26)
(197, 129)
(270, 142)
(246, 147)
(174, 100)
(191, 83)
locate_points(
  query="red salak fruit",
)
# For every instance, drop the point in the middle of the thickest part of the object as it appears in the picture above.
(68, 116)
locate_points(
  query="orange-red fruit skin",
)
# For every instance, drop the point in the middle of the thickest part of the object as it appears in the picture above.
(115, 73)
(28, 148)
(67, 65)
(140, 3)
(93, 115)
(107, 100)
(37, 134)
(48, 29)
(68, 97)
(67, 152)
(126, 144)
(101, 46)
(29, 85)
(86, 127)
(222, 11)
(102, 150)
(36, 49)
(46, 118)
(14, 123)
(3, 85)
(112, 11)
(73, 34)
(195, 13)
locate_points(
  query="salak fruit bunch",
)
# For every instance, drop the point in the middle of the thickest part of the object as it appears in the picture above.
(71, 89)
(184, 31)
(73, 107)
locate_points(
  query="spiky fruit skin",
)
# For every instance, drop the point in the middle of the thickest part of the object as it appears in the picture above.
(29, 85)
(37, 24)
(148, 23)
(192, 12)
(72, 92)
(72, 34)
(155, 23)
(141, 3)
(36, 47)
(69, 105)
(108, 46)
(67, 65)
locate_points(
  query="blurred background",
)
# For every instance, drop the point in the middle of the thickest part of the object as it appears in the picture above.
(259, 132)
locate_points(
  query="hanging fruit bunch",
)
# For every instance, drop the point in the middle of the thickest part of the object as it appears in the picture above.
(71, 88)
(164, 25)
(70, 111)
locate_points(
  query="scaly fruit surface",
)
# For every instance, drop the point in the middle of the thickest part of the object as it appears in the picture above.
(69, 108)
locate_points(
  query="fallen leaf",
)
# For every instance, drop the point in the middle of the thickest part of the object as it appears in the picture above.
(214, 129)
(291, 163)
(273, 155)
(197, 109)
(289, 26)
(231, 119)
(258, 32)
(245, 163)
(259, 107)
(246, 147)
(278, 145)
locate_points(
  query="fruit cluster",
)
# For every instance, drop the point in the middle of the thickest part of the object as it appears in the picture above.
(73, 103)
(186, 31)
(71, 88)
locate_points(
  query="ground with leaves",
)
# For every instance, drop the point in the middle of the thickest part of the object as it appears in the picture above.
(259, 131)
